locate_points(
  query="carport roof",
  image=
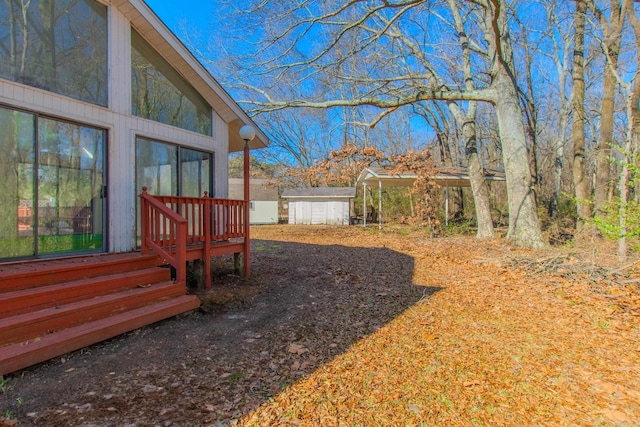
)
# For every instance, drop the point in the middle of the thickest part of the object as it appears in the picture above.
(320, 192)
(445, 177)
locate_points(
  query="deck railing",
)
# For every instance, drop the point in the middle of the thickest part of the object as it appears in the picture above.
(208, 219)
(170, 223)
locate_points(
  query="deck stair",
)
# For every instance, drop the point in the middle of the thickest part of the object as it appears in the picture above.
(51, 307)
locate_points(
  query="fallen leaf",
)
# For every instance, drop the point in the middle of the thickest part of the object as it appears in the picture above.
(297, 349)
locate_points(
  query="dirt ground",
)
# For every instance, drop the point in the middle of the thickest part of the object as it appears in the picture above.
(347, 326)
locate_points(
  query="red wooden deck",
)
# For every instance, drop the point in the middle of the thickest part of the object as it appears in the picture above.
(51, 307)
(180, 228)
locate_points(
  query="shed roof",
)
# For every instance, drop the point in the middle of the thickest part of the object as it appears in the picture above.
(156, 33)
(320, 193)
(446, 177)
(259, 189)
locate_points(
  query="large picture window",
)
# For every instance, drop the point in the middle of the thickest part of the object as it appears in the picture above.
(159, 93)
(170, 170)
(52, 180)
(59, 46)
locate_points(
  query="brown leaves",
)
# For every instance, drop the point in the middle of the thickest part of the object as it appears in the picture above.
(297, 349)
(493, 347)
(346, 331)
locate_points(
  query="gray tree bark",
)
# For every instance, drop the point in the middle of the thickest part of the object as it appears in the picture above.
(524, 225)
(478, 184)
(612, 34)
(577, 131)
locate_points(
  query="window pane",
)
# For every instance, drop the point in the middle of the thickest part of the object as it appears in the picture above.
(60, 46)
(159, 93)
(156, 167)
(195, 173)
(16, 183)
(70, 182)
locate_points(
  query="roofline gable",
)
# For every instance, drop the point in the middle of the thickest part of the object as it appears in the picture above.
(173, 50)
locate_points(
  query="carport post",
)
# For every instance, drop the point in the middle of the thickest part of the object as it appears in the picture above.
(446, 206)
(364, 205)
(380, 204)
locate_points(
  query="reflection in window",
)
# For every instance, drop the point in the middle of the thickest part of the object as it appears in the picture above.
(17, 141)
(170, 170)
(195, 172)
(159, 93)
(156, 167)
(52, 202)
(70, 182)
(59, 46)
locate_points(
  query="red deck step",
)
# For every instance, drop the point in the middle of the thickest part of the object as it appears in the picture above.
(28, 325)
(21, 355)
(33, 299)
(30, 274)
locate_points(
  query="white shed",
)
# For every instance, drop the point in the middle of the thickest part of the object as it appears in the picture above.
(320, 205)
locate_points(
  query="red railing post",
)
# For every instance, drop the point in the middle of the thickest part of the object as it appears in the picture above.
(164, 231)
(181, 251)
(144, 221)
(206, 212)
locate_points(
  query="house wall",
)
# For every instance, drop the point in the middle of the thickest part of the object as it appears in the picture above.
(264, 212)
(319, 211)
(122, 130)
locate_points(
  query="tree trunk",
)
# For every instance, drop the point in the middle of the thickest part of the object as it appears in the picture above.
(524, 225)
(633, 134)
(607, 109)
(479, 186)
(558, 160)
(577, 131)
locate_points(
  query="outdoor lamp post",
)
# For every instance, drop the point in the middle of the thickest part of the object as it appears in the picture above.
(247, 133)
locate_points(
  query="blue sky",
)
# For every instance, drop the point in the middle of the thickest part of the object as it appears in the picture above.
(198, 13)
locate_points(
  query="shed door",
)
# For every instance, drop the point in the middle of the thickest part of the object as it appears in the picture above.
(292, 212)
(338, 213)
(318, 212)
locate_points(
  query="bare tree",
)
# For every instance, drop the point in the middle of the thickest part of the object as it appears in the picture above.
(468, 123)
(577, 130)
(612, 33)
(632, 92)
(398, 81)
(560, 49)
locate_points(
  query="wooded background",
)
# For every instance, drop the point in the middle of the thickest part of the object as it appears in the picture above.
(544, 89)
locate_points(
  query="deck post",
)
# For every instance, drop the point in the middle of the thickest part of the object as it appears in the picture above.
(247, 133)
(247, 243)
(144, 221)
(207, 216)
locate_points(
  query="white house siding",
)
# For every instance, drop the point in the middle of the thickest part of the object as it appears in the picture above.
(221, 169)
(122, 129)
(318, 212)
(264, 212)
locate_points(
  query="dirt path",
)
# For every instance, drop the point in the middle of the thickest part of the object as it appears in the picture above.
(344, 326)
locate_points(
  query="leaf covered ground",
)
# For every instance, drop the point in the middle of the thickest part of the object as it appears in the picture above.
(342, 326)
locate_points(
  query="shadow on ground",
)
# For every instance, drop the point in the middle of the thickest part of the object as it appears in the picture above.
(303, 306)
